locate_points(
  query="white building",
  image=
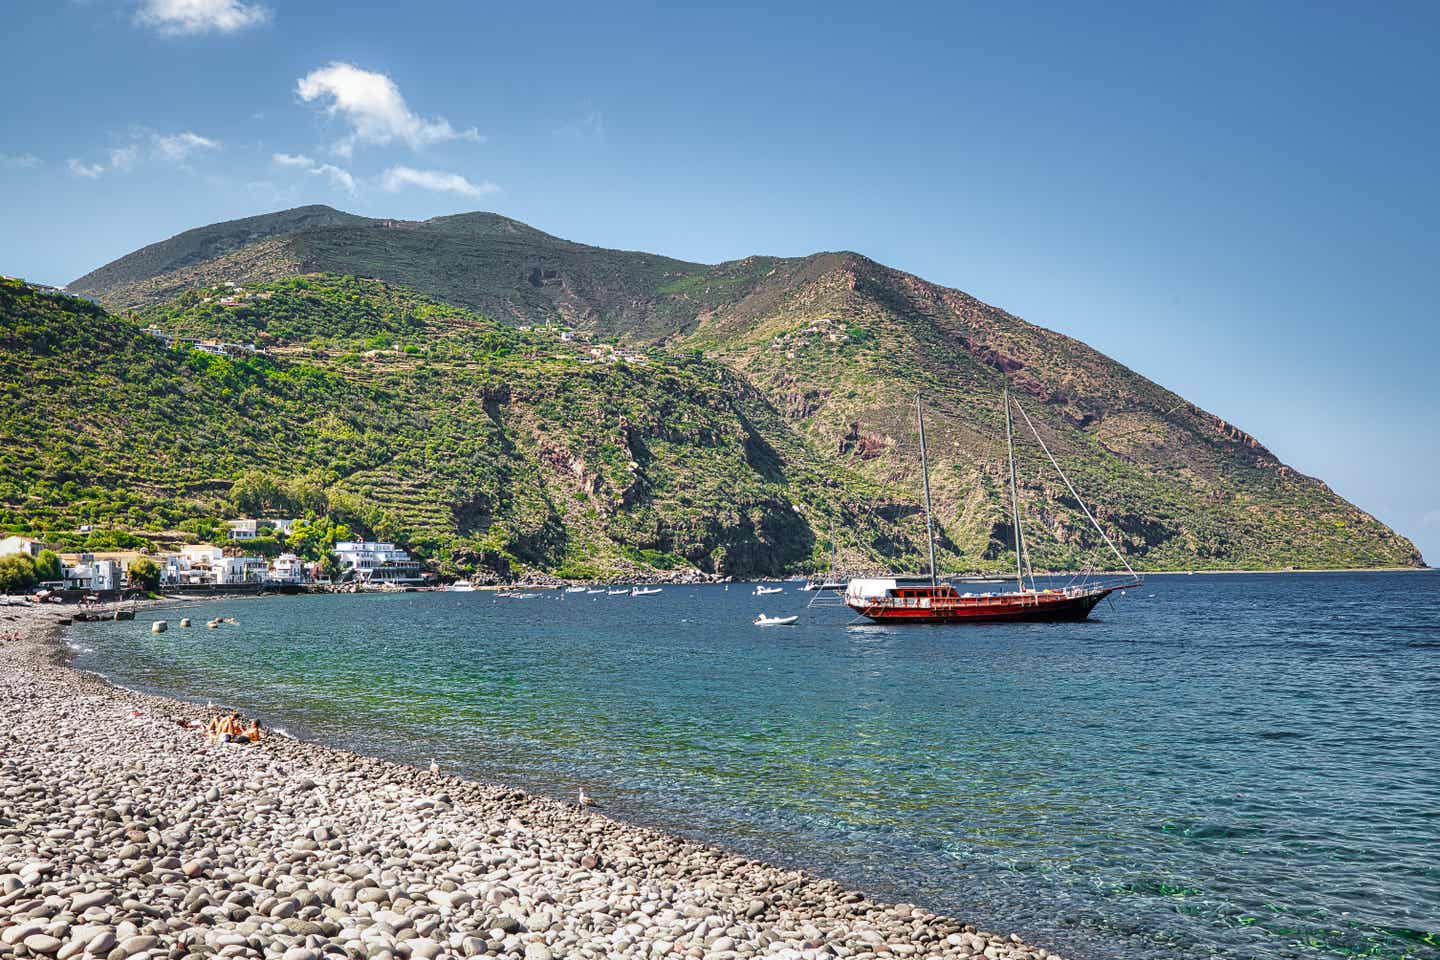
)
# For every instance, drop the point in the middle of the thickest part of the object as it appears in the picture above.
(205, 563)
(85, 571)
(106, 575)
(243, 529)
(31, 548)
(287, 568)
(230, 570)
(250, 529)
(377, 561)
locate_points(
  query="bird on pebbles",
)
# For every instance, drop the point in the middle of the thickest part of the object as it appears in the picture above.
(584, 800)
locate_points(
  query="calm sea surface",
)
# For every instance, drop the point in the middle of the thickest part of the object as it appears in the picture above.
(1217, 766)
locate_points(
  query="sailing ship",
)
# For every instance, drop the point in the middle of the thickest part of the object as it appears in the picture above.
(927, 600)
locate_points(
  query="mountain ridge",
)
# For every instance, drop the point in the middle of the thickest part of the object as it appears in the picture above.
(838, 345)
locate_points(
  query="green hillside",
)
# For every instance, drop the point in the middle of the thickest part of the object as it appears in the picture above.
(832, 348)
(481, 446)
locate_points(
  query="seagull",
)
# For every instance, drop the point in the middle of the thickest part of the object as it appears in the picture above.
(584, 800)
(434, 765)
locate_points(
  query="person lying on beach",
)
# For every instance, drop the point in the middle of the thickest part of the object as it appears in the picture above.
(253, 733)
(222, 729)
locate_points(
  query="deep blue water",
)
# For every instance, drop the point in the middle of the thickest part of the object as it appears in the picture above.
(1216, 766)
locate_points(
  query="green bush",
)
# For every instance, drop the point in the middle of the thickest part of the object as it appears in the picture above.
(17, 573)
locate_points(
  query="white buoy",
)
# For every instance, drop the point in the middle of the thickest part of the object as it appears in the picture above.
(159, 626)
(184, 621)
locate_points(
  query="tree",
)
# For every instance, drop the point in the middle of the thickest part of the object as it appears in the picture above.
(254, 494)
(314, 539)
(144, 573)
(17, 573)
(48, 567)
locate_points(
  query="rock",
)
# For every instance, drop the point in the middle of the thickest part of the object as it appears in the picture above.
(102, 944)
(81, 902)
(137, 945)
(42, 943)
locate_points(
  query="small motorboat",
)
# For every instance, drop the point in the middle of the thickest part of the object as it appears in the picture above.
(764, 621)
(574, 589)
(461, 586)
(599, 590)
(763, 591)
(644, 591)
(622, 592)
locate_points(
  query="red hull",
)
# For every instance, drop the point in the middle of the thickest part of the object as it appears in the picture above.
(943, 605)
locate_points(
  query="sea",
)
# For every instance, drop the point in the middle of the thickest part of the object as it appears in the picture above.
(1229, 766)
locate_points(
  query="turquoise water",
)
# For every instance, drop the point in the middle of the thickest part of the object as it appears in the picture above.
(1226, 766)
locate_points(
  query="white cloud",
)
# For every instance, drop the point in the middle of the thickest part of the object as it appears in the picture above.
(338, 177)
(20, 160)
(178, 146)
(123, 158)
(89, 171)
(371, 103)
(173, 148)
(181, 17)
(399, 177)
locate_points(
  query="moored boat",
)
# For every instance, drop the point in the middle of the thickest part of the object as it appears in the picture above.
(644, 591)
(895, 600)
(764, 621)
(763, 591)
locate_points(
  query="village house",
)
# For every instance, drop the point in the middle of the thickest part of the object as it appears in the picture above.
(250, 529)
(377, 562)
(194, 564)
(231, 570)
(287, 568)
(90, 571)
(25, 545)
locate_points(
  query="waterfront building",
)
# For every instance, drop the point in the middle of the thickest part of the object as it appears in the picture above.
(240, 569)
(362, 560)
(97, 571)
(287, 568)
(194, 564)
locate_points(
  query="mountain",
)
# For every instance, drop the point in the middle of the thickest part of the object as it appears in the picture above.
(831, 349)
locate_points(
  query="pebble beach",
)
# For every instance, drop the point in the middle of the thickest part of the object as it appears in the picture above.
(125, 835)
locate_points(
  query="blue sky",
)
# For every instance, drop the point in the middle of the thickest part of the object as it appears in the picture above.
(1237, 200)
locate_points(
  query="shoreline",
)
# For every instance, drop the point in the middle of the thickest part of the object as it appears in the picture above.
(160, 845)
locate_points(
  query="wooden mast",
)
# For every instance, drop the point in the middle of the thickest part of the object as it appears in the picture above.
(925, 476)
(1014, 494)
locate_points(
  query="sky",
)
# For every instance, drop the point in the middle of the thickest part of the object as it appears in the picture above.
(1239, 201)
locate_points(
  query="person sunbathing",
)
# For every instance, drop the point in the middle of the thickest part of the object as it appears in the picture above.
(253, 733)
